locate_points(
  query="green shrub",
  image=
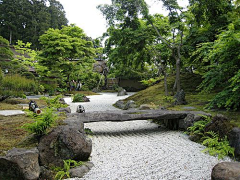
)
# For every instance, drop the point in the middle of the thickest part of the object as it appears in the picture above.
(54, 102)
(42, 122)
(64, 172)
(78, 98)
(216, 145)
(198, 127)
(149, 82)
(28, 75)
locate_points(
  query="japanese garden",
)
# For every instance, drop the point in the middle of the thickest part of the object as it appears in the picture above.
(155, 97)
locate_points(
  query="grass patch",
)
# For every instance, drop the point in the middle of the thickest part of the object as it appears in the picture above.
(13, 103)
(11, 132)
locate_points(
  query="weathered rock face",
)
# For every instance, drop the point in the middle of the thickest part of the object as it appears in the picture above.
(125, 106)
(67, 110)
(226, 171)
(122, 92)
(130, 104)
(81, 170)
(46, 174)
(234, 140)
(64, 142)
(180, 98)
(120, 104)
(10, 170)
(20, 164)
(191, 118)
(220, 125)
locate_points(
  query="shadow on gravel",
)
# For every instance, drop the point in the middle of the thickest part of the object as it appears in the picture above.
(132, 132)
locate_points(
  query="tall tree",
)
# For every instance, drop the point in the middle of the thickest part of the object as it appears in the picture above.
(26, 20)
(65, 51)
(128, 11)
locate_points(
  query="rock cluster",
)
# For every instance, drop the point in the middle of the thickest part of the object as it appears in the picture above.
(64, 142)
(125, 106)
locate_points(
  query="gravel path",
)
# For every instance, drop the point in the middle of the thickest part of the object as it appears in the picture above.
(141, 150)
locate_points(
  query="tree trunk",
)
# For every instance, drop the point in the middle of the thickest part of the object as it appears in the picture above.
(10, 37)
(178, 74)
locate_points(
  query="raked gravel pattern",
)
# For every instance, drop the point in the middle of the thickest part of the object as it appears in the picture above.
(142, 150)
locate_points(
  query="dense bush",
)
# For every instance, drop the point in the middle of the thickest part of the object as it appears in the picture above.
(16, 85)
(78, 98)
(216, 143)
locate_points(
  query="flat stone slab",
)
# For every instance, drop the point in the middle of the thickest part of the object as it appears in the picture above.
(11, 112)
(129, 115)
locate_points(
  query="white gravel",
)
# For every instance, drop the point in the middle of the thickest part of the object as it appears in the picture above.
(141, 150)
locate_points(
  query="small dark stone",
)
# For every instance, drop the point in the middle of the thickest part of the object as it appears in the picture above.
(81, 170)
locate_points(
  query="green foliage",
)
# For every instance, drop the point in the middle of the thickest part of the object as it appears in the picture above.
(41, 122)
(90, 79)
(223, 72)
(63, 173)
(78, 97)
(217, 146)
(5, 51)
(198, 127)
(149, 82)
(54, 102)
(88, 131)
(66, 54)
(17, 24)
(168, 99)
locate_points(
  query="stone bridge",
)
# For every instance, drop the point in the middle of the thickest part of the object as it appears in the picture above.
(173, 120)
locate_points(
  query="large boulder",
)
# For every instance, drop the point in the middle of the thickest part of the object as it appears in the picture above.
(234, 140)
(20, 164)
(62, 143)
(220, 125)
(191, 118)
(226, 171)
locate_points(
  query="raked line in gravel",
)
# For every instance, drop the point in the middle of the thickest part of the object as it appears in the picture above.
(141, 150)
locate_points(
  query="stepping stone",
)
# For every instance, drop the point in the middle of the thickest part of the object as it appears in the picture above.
(11, 112)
